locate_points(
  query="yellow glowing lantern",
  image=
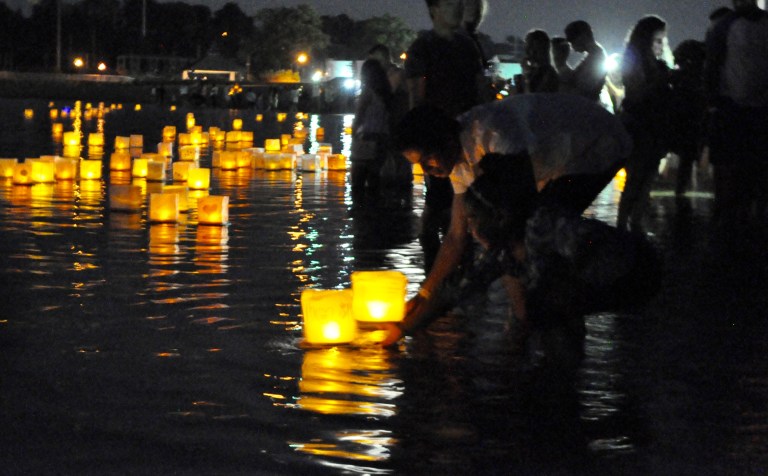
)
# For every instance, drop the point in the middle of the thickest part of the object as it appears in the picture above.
(281, 116)
(181, 171)
(247, 137)
(6, 167)
(271, 161)
(57, 129)
(122, 142)
(155, 171)
(164, 208)
(337, 162)
(183, 192)
(272, 145)
(189, 153)
(257, 157)
(43, 171)
(140, 166)
(237, 124)
(327, 316)
(22, 174)
(120, 160)
(172, 108)
(417, 170)
(287, 161)
(169, 133)
(136, 141)
(310, 163)
(71, 138)
(137, 107)
(320, 133)
(233, 136)
(378, 296)
(185, 139)
(259, 117)
(65, 169)
(285, 139)
(213, 210)
(54, 114)
(199, 178)
(165, 149)
(29, 113)
(243, 159)
(228, 160)
(196, 137)
(190, 120)
(125, 197)
(96, 139)
(90, 169)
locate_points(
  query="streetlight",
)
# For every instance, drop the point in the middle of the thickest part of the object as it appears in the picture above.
(102, 66)
(78, 62)
(302, 58)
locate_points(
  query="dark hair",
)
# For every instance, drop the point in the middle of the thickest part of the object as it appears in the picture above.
(639, 47)
(380, 48)
(719, 13)
(576, 28)
(561, 48)
(374, 77)
(428, 129)
(690, 54)
(539, 41)
(502, 199)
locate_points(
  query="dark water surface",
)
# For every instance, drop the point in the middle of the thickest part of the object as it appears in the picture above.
(130, 348)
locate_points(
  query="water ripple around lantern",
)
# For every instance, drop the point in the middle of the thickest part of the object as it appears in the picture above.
(131, 347)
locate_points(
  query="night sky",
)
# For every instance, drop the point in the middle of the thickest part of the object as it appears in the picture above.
(611, 19)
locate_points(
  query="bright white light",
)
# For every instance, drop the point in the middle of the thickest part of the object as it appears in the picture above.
(317, 76)
(611, 63)
(350, 83)
(102, 67)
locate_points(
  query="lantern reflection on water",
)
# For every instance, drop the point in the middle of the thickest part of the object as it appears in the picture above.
(379, 296)
(122, 142)
(328, 316)
(213, 210)
(125, 197)
(164, 208)
(96, 139)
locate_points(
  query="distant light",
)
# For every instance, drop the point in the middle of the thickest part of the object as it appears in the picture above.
(403, 56)
(78, 62)
(350, 83)
(102, 66)
(317, 76)
(612, 63)
(302, 58)
(224, 34)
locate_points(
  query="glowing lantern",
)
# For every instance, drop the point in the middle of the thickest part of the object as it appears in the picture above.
(72, 139)
(189, 153)
(165, 149)
(287, 161)
(155, 171)
(281, 116)
(6, 167)
(137, 107)
(226, 160)
(22, 174)
(378, 296)
(257, 157)
(246, 137)
(54, 114)
(169, 133)
(300, 135)
(90, 169)
(185, 139)
(125, 197)
(324, 149)
(140, 166)
(233, 136)
(57, 129)
(417, 170)
(337, 162)
(196, 137)
(122, 142)
(259, 117)
(213, 210)
(120, 160)
(328, 316)
(96, 139)
(285, 139)
(136, 141)
(29, 113)
(43, 171)
(272, 145)
(220, 136)
(199, 178)
(243, 159)
(190, 120)
(181, 171)
(271, 161)
(66, 169)
(164, 208)
(183, 192)
(71, 151)
(237, 124)
(320, 134)
(310, 163)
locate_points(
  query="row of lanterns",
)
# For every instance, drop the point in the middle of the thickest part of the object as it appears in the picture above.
(332, 316)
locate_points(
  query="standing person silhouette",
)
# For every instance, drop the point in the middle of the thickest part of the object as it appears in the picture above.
(540, 75)
(588, 76)
(561, 50)
(644, 113)
(443, 68)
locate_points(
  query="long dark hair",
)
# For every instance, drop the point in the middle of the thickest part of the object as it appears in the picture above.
(639, 45)
(374, 77)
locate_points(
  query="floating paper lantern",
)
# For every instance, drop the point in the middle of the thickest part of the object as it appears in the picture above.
(136, 141)
(6, 167)
(327, 316)
(310, 163)
(90, 169)
(155, 171)
(199, 178)
(57, 129)
(122, 142)
(189, 153)
(227, 160)
(71, 138)
(196, 137)
(378, 296)
(181, 171)
(54, 114)
(272, 145)
(337, 162)
(246, 137)
(164, 208)
(271, 161)
(165, 149)
(43, 171)
(71, 151)
(287, 161)
(22, 174)
(259, 117)
(185, 139)
(233, 136)
(65, 169)
(281, 116)
(213, 210)
(96, 139)
(183, 192)
(237, 124)
(190, 120)
(125, 197)
(320, 133)
(257, 157)
(29, 113)
(243, 159)
(417, 170)
(285, 139)
(140, 167)
(169, 133)
(120, 160)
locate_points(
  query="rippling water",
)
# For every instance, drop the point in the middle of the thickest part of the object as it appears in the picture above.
(135, 348)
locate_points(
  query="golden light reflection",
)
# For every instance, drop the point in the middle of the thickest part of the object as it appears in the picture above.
(620, 180)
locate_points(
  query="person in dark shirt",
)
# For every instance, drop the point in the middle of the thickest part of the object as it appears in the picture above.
(588, 76)
(540, 75)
